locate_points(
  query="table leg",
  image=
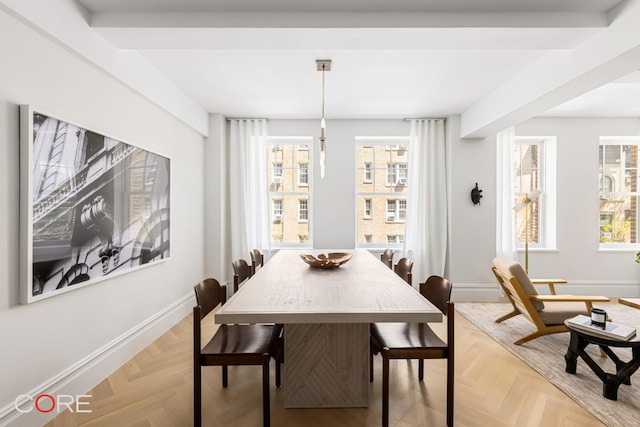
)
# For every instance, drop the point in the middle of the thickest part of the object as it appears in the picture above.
(327, 365)
(571, 357)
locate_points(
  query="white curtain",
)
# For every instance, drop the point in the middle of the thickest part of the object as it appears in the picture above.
(426, 226)
(505, 195)
(248, 185)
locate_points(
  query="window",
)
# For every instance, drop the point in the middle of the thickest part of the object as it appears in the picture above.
(290, 171)
(367, 208)
(395, 238)
(396, 210)
(367, 172)
(534, 162)
(381, 203)
(303, 173)
(396, 174)
(276, 205)
(618, 178)
(303, 210)
(277, 173)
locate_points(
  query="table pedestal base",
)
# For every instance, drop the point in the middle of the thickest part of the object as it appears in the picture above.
(326, 365)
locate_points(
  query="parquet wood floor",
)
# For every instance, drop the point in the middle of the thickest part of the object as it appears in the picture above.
(493, 388)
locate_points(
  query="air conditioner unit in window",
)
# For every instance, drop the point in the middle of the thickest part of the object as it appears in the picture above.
(402, 181)
(391, 217)
(277, 218)
(277, 179)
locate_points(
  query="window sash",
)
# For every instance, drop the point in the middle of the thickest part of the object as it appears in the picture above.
(618, 167)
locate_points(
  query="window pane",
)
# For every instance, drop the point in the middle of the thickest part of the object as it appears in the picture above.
(380, 179)
(528, 161)
(289, 185)
(618, 194)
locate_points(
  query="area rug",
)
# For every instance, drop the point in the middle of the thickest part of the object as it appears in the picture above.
(546, 356)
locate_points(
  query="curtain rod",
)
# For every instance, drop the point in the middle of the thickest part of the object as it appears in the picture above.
(408, 119)
(247, 118)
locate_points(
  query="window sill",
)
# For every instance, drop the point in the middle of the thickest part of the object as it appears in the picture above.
(619, 250)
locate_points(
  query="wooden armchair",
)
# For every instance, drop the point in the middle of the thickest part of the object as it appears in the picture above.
(546, 312)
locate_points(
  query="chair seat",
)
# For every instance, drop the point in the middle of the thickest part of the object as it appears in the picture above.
(405, 335)
(557, 312)
(242, 339)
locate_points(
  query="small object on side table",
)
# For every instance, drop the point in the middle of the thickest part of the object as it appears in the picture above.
(598, 317)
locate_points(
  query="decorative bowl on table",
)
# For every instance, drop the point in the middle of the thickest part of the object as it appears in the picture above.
(330, 260)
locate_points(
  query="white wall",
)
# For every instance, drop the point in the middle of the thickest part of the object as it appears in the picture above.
(43, 344)
(472, 228)
(578, 258)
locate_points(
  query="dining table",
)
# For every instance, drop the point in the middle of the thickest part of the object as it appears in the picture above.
(326, 315)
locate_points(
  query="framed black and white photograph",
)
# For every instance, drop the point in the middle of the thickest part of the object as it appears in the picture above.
(92, 206)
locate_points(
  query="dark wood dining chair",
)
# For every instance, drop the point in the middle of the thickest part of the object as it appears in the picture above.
(241, 272)
(230, 345)
(403, 269)
(387, 257)
(417, 341)
(257, 260)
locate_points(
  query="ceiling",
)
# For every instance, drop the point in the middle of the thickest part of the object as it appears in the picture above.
(391, 59)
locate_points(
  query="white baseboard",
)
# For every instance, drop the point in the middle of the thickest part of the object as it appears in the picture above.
(88, 372)
(483, 292)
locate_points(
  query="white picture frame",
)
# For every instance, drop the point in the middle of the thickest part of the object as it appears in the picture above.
(91, 206)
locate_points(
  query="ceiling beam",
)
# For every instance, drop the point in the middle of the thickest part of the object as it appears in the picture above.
(347, 20)
(560, 76)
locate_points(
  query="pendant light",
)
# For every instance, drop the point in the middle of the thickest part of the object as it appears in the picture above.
(323, 65)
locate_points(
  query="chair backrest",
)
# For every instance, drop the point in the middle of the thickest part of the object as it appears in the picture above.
(519, 289)
(403, 269)
(209, 293)
(438, 291)
(257, 259)
(241, 272)
(387, 257)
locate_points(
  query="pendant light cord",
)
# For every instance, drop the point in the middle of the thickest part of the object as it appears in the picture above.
(323, 67)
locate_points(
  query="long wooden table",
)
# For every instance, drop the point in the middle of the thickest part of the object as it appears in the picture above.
(326, 316)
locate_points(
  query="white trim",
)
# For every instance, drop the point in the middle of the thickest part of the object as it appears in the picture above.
(86, 373)
(477, 292)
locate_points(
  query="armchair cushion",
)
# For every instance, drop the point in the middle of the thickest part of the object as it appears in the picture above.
(512, 268)
(558, 312)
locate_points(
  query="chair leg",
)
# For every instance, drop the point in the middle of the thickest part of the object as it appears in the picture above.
(278, 372)
(450, 382)
(197, 395)
(385, 391)
(225, 376)
(420, 369)
(266, 418)
(370, 366)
